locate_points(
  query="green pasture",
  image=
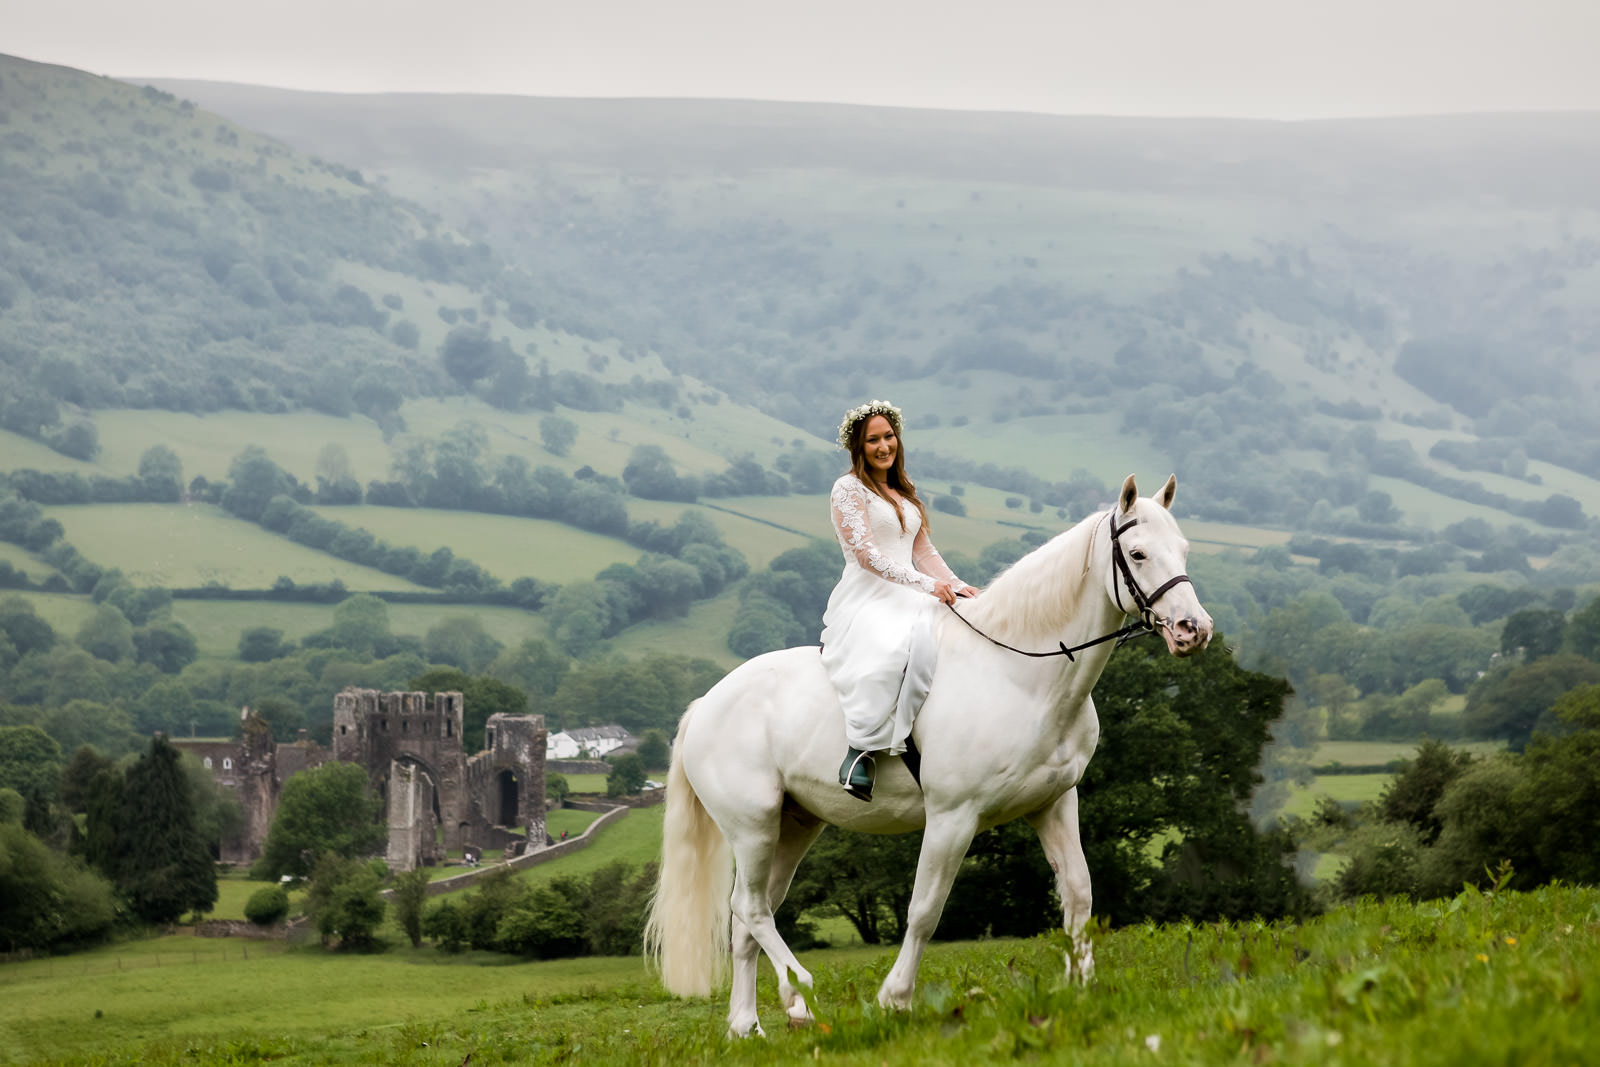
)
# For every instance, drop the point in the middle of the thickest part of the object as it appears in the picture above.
(185, 545)
(1505, 978)
(702, 633)
(207, 444)
(25, 561)
(634, 839)
(24, 453)
(507, 546)
(586, 783)
(1345, 788)
(1373, 753)
(740, 522)
(570, 820)
(217, 624)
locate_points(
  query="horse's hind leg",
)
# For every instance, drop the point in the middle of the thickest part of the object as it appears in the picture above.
(755, 843)
(1057, 827)
(795, 837)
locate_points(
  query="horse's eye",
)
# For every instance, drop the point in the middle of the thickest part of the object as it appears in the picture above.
(1138, 555)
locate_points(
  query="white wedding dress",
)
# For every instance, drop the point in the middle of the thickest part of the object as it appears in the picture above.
(882, 598)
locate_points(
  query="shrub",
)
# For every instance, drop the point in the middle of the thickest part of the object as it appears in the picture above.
(267, 907)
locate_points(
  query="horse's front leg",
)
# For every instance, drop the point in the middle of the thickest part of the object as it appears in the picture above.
(1057, 827)
(944, 843)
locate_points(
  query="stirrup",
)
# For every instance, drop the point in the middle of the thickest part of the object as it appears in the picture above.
(857, 772)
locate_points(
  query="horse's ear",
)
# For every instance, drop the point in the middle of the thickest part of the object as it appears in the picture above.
(1168, 491)
(1130, 493)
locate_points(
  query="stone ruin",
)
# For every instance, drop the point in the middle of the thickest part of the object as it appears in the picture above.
(436, 798)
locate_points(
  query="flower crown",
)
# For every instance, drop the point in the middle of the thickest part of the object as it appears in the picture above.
(867, 410)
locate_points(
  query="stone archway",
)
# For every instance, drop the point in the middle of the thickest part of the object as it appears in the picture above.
(412, 806)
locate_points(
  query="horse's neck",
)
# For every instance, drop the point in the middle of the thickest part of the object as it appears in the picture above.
(1056, 593)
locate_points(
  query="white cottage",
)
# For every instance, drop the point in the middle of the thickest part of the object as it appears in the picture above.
(586, 742)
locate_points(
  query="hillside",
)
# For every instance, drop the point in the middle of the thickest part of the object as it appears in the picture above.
(1387, 298)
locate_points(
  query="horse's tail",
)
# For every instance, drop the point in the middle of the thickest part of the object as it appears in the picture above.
(689, 929)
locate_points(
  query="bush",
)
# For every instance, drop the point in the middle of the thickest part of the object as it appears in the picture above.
(627, 776)
(267, 907)
(446, 926)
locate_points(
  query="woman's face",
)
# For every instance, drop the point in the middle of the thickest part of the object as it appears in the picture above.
(879, 444)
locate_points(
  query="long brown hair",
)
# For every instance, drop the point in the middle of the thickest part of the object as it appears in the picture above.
(898, 479)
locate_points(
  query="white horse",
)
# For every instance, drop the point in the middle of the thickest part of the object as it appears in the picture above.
(1002, 735)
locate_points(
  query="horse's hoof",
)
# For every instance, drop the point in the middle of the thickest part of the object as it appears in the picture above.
(800, 1022)
(752, 1030)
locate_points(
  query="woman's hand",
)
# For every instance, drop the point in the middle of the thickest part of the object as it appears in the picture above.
(946, 591)
(969, 591)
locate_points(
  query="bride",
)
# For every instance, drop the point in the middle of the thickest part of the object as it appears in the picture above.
(891, 570)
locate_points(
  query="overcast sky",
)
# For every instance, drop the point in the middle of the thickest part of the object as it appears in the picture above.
(1248, 58)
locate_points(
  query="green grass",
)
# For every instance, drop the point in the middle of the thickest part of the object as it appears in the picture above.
(1508, 978)
(633, 839)
(1345, 788)
(571, 820)
(702, 633)
(25, 561)
(506, 546)
(234, 890)
(179, 545)
(586, 783)
(217, 623)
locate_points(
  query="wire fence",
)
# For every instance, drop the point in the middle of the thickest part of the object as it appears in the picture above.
(17, 967)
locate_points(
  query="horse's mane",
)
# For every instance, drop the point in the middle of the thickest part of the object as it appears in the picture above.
(1030, 599)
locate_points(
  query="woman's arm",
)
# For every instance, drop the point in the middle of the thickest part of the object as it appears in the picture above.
(849, 505)
(928, 561)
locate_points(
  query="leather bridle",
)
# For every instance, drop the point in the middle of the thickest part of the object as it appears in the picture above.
(1145, 605)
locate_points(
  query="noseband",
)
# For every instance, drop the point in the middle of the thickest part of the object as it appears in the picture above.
(1145, 604)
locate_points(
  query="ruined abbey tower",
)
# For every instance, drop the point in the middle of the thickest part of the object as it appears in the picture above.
(437, 799)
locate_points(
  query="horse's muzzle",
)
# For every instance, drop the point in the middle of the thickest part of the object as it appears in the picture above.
(1186, 636)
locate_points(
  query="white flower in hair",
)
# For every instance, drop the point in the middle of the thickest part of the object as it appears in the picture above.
(867, 410)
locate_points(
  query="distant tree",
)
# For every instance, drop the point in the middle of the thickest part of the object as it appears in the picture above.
(80, 440)
(162, 473)
(50, 899)
(345, 900)
(107, 635)
(462, 642)
(1413, 794)
(650, 474)
(327, 809)
(1582, 634)
(1378, 507)
(267, 906)
(468, 353)
(405, 334)
(258, 644)
(410, 893)
(1512, 703)
(534, 667)
(167, 645)
(653, 750)
(627, 775)
(163, 864)
(253, 480)
(862, 877)
(949, 505)
(79, 772)
(30, 763)
(557, 788)
(557, 434)
(1533, 633)
(481, 696)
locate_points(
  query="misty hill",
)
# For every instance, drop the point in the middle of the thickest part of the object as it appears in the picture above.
(1341, 306)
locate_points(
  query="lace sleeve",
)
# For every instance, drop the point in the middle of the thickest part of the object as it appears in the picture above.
(855, 537)
(928, 561)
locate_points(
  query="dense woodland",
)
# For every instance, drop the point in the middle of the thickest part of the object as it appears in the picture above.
(1328, 380)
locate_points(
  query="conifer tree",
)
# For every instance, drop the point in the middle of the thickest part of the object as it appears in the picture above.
(162, 864)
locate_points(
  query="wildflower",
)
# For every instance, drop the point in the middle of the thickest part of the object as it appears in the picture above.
(1482, 958)
(1511, 941)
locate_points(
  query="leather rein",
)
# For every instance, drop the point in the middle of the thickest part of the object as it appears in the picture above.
(1145, 605)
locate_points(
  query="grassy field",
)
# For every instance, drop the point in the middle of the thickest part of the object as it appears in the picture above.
(179, 545)
(25, 561)
(506, 546)
(702, 633)
(586, 783)
(1345, 788)
(1508, 978)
